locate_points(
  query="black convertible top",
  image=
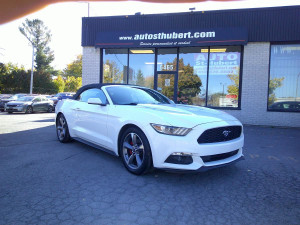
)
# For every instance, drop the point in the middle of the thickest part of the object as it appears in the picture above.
(95, 85)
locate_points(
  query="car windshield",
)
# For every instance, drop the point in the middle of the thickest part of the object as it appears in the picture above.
(135, 95)
(26, 99)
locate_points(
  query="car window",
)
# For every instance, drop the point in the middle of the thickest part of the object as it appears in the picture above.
(133, 95)
(92, 93)
(37, 100)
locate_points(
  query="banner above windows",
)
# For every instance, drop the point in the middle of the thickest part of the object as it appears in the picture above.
(172, 38)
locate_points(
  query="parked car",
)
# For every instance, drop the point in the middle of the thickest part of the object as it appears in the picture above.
(146, 129)
(3, 101)
(293, 106)
(30, 104)
(60, 96)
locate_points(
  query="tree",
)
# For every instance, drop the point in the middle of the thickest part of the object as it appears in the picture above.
(112, 73)
(59, 84)
(39, 36)
(140, 80)
(74, 68)
(14, 79)
(273, 85)
(72, 84)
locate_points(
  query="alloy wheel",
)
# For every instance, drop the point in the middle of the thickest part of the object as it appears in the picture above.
(61, 128)
(133, 151)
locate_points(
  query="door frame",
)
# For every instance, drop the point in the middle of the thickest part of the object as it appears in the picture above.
(175, 73)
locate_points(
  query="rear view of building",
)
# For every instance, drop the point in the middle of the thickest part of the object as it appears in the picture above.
(245, 62)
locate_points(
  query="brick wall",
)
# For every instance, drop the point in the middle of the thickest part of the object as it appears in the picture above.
(255, 91)
(90, 65)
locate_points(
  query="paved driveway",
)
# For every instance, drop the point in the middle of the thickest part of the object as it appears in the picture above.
(45, 182)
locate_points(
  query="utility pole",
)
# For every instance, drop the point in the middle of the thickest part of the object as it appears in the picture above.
(31, 76)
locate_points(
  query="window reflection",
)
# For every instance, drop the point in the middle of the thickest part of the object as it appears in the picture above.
(284, 83)
(224, 75)
(167, 59)
(192, 76)
(141, 67)
(115, 65)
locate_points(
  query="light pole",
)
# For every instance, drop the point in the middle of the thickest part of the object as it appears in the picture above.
(31, 76)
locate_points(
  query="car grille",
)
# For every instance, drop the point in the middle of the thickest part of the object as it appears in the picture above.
(220, 134)
(11, 105)
(211, 158)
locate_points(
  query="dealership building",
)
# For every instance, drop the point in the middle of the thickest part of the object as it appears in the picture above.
(245, 62)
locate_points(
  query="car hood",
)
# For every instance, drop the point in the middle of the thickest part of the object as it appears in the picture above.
(184, 115)
(18, 103)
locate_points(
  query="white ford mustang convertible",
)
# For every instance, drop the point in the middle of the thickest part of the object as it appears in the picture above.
(147, 130)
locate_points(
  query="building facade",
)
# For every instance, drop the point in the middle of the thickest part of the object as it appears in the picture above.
(245, 62)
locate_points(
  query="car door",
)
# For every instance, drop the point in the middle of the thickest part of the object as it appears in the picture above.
(36, 105)
(90, 123)
(44, 104)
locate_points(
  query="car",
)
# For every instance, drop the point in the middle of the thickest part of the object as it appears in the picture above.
(146, 129)
(30, 104)
(291, 106)
(60, 96)
(4, 100)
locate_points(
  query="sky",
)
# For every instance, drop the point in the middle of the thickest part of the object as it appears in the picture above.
(64, 21)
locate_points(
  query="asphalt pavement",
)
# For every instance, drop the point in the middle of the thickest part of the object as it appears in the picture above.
(45, 182)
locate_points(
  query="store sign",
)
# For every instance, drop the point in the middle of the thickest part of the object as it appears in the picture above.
(172, 38)
(221, 63)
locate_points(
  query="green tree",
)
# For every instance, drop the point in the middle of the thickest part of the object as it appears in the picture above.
(140, 80)
(39, 36)
(43, 84)
(14, 79)
(74, 68)
(72, 84)
(59, 84)
(112, 73)
(233, 89)
(273, 85)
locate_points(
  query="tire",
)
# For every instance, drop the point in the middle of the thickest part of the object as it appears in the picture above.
(50, 109)
(62, 129)
(29, 110)
(135, 151)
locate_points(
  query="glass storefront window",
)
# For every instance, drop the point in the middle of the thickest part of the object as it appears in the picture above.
(115, 65)
(141, 67)
(167, 59)
(284, 83)
(224, 76)
(192, 75)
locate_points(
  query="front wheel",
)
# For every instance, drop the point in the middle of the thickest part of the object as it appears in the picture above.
(50, 109)
(62, 129)
(135, 151)
(29, 110)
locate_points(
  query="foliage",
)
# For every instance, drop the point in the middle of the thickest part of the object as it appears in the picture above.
(140, 80)
(112, 73)
(39, 36)
(42, 83)
(14, 79)
(233, 89)
(273, 85)
(72, 84)
(74, 68)
(59, 84)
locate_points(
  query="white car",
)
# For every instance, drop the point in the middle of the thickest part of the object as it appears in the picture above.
(147, 130)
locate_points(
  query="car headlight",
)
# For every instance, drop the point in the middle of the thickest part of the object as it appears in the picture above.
(170, 130)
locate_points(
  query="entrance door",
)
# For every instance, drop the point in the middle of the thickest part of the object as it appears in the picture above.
(167, 72)
(166, 84)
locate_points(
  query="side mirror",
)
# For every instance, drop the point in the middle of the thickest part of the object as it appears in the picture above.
(95, 101)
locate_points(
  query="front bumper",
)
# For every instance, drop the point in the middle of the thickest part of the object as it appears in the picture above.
(15, 109)
(163, 146)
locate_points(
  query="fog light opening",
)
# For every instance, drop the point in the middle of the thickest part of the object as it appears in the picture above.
(180, 158)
